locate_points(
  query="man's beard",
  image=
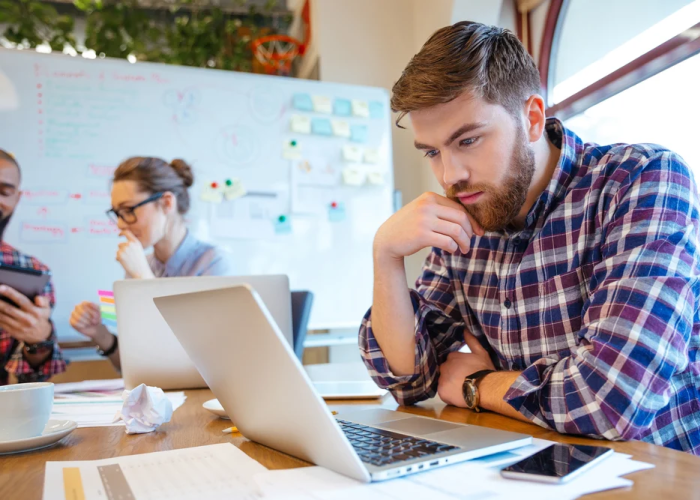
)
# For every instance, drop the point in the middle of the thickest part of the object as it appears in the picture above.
(4, 221)
(503, 203)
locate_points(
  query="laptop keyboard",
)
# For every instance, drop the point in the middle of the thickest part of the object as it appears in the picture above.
(380, 447)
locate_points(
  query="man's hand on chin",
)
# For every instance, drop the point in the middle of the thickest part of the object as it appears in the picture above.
(460, 365)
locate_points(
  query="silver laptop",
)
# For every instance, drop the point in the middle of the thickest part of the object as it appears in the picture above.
(232, 339)
(150, 353)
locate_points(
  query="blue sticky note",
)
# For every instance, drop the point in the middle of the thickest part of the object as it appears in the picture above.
(358, 133)
(321, 126)
(283, 225)
(109, 322)
(337, 213)
(302, 102)
(341, 107)
(376, 109)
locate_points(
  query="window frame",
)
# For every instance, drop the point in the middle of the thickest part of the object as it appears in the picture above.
(662, 57)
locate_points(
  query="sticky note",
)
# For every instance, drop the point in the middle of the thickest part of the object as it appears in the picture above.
(352, 154)
(233, 189)
(300, 124)
(353, 176)
(106, 294)
(291, 149)
(371, 155)
(358, 133)
(283, 225)
(302, 102)
(341, 128)
(342, 107)
(375, 178)
(376, 109)
(211, 194)
(336, 212)
(322, 104)
(321, 126)
(360, 108)
(110, 309)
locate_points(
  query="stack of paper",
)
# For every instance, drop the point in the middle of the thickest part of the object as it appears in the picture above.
(223, 471)
(476, 479)
(208, 472)
(97, 410)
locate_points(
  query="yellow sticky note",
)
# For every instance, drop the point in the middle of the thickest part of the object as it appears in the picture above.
(291, 149)
(371, 155)
(360, 108)
(375, 178)
(108, 309)
(212, 193)
(353, 176)
(322, 104)
(233, 188)
(341, 128)
(352, 154)
(301, 124)
(73, 484)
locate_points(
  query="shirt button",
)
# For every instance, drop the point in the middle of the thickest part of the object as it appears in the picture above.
(507, 303)
(516, 241)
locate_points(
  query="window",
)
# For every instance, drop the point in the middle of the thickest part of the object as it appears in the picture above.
(663, 109)
(597, 37)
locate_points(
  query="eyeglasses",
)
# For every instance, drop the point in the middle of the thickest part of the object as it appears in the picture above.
(128, 214)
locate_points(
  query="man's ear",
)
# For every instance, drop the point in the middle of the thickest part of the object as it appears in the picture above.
(535, 117)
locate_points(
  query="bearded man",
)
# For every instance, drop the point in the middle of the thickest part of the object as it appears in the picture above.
(568, 269)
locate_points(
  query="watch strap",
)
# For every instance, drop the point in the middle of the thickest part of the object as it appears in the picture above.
(110, 351)
(34, 348)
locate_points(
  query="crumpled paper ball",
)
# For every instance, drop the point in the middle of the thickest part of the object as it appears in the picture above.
(145, 409)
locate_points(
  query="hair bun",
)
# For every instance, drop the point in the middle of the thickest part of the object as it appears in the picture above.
(184, 171)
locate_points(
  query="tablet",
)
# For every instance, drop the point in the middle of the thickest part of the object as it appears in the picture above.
(28, 282)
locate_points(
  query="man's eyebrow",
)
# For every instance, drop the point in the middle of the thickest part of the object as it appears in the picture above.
(468, 127)
(7, 185)
(418, 145)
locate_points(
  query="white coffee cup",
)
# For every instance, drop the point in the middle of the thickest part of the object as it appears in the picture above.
(24, 410)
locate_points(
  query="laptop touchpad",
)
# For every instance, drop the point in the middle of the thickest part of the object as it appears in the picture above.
(419, 426)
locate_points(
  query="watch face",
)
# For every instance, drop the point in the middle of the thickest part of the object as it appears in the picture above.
(469, 391)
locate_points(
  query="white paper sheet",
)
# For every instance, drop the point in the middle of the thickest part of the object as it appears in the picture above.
(207, 472)
(98, 410)
(114, 384)
(475, 479)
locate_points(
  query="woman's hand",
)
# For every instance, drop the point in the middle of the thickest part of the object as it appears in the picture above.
(86, 319)
(132, 257)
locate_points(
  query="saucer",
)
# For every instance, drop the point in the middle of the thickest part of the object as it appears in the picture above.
(215, 407)
(54, 431)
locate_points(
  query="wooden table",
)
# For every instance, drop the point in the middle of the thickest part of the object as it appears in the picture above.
(676, 476)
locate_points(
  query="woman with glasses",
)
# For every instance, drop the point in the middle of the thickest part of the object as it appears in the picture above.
(150, 198)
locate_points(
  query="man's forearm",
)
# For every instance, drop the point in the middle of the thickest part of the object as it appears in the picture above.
(393, 322)
(493, 388)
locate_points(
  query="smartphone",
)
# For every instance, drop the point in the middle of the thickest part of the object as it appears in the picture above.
(557, 464)
(28, 282)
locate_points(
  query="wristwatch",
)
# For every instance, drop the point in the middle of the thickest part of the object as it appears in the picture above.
(470, 389)
(34, 348)
(115, 344)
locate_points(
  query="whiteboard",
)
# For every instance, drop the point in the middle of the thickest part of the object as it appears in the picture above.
(314, 200)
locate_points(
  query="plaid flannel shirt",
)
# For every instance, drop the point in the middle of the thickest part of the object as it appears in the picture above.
(11, 357)
(595, 300)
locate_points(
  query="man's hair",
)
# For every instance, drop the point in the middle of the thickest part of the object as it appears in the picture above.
(488, 61)
(5, 156)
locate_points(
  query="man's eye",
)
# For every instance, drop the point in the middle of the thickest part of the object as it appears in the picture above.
(432, 153)
(468, 142)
